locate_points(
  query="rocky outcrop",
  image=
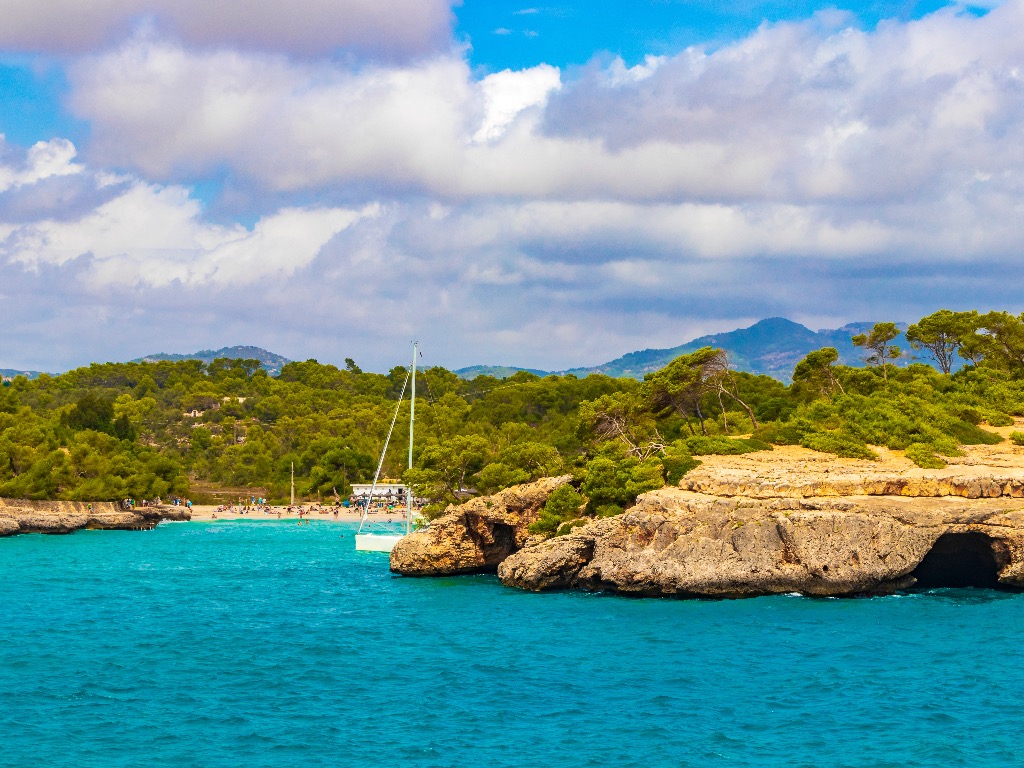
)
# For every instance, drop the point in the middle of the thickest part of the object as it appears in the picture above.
(675, 542)
(782, 482)
(792, 520)
(56, 517)
(476, 536)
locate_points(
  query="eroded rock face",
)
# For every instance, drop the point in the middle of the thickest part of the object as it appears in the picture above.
(792, 520)
(676, 542)
(57, 517)
(476, 536)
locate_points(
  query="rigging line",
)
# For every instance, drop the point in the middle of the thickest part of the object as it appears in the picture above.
(383, 453)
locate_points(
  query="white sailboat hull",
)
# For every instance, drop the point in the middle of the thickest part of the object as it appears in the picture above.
(377, 542)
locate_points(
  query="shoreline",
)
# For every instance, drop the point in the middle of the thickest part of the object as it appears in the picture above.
(209, 513)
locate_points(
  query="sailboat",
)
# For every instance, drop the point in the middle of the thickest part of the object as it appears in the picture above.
(377, 536)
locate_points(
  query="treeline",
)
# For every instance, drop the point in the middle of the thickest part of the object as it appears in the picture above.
(171, 428)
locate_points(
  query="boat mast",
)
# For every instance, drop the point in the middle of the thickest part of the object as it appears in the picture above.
(412, 420)
(383, 453)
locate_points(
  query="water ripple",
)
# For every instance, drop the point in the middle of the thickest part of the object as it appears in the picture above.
(276, 645)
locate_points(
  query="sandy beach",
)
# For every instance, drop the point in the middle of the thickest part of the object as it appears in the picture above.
(209, 512)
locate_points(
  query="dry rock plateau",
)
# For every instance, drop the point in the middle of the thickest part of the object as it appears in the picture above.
(788, 520)
(57, 517)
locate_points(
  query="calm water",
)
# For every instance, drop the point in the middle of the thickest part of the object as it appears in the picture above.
(273, 644)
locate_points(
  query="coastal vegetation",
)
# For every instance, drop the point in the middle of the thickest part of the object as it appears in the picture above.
(166, 428)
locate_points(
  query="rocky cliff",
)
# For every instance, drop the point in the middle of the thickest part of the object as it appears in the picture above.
(676, 542)
(476, 536)
(22, 516)
(796, 521)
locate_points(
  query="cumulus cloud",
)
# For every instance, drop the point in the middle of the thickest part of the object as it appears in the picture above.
(141, 234)
(508, 93)
(811, 169)
(43, 160)
(388, 28)
(796, 113)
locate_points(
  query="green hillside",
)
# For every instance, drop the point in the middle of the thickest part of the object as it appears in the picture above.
(496, 371)
(10, 373)
(270, 362)
(771, 347)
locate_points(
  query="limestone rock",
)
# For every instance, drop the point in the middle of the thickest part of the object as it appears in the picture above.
(984, 472)
(57, 517)
(476, 536)
(675, 542)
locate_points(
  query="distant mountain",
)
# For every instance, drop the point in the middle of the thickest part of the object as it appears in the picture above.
(272, 363)
(10, 373)
(772, 347)
(497, 371)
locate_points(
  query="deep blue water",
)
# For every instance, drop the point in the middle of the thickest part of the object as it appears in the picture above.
(273, 644)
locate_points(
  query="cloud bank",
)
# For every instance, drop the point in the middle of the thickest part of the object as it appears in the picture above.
(543, 217)
(375, 28)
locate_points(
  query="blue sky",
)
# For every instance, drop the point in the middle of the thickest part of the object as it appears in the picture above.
(547, 185)
(511, 34)
(500, 34)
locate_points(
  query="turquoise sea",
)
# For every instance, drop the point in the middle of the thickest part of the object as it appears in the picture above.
(274, 644)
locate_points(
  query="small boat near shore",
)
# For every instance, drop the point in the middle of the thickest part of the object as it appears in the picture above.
(375, 536)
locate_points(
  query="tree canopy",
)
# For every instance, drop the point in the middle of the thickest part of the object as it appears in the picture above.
(108, 431)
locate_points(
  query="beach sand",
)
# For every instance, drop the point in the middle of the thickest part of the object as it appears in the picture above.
(201, 512)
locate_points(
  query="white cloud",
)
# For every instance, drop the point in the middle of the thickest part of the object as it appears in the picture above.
(43, 160)
(811, 169)
(309, 27)
(794, 114)
(151, 235)
(507, 93)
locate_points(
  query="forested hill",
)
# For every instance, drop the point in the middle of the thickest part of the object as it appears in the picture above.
(270, 362)
(9, 373)
(227, 429)
(497, 371)
(771, 347)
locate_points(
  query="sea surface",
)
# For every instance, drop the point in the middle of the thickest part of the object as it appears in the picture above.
(276, 644)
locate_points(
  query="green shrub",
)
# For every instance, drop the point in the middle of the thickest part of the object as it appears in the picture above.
(1017, 438)
(924, 456)
(608, 510)
(433, 511)
(997, 419)
(609, 479)
(840, 444)
(946, 446)
(568, 527)
(968, 414)
(969, 434)
(564, 504)
(778, 433)
(702, 445)
(676, 462)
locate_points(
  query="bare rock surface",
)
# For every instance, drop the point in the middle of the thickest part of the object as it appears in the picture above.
(790, 472)
(793, 520)
(675, 542)
(25, 516)
(476, 536)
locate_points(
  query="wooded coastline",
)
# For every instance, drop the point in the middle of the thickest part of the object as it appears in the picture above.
(185, 428)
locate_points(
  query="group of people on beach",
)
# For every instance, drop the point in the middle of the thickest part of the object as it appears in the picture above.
(130, 503)
(260, 506)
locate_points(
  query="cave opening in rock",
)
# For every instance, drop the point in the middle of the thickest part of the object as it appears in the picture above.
(959, 560)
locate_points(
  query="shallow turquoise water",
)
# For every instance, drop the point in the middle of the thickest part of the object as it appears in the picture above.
(273, 644)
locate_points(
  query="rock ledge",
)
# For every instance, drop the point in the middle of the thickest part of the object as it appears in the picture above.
(58, 517)
(476, 536)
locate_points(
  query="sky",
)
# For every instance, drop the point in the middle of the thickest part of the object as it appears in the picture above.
(548, 186)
